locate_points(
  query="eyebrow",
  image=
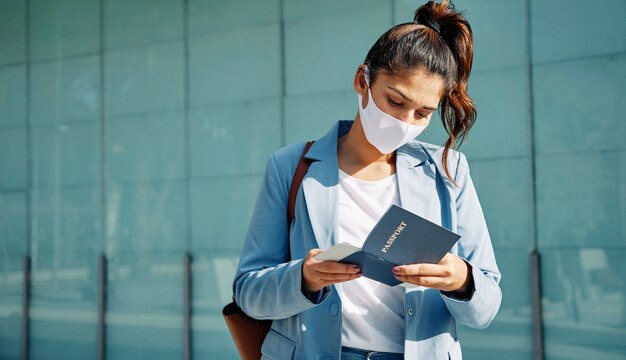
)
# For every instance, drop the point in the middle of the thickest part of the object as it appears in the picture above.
(409, 99)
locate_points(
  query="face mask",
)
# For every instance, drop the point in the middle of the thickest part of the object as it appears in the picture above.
(383, 131)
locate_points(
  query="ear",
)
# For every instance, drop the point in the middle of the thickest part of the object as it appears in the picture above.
(360, 86)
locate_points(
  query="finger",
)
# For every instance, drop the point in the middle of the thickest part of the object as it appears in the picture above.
(427, 281)
(339, 277)
(327, 282)
(335, 267)
(422, 270)
(338, 281)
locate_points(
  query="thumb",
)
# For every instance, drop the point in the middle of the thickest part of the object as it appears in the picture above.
(315, 251)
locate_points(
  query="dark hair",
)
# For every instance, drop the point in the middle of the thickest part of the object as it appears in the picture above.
(444, 48)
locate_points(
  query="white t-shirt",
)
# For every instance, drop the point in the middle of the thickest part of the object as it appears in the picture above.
(373, 313)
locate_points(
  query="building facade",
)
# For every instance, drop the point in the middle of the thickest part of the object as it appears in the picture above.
(134, 134)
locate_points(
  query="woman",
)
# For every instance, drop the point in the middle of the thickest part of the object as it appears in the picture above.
(326, 310)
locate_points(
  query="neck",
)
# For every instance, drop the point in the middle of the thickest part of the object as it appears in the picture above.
(354, 147)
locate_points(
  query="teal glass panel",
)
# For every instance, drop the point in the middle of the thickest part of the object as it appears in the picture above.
(13, 157)
(581, 199)
(67, 90)
(310, 116)
(141, 22)
(323, 52)
(145, 305)
(234, 138)
(220, 212)
(13, 96)
(64, 308)
(294, 9)
(584, 302)
(210, 16)
(66, 154)
(146, 79)
(499, 29)
(558, 34)
(12, 32)
(502, 127)
(146, 216)
(11, 281)
(500, 33)
(145, 147)
(66, 220)
(247, 66)
(12, 225)
(508, 209)
(579, 105)
(63, 28)
(509, 336)
(213, 273)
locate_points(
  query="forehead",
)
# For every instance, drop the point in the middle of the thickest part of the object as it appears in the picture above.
(419, 85)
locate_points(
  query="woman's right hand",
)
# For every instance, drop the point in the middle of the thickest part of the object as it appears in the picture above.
(318, 274)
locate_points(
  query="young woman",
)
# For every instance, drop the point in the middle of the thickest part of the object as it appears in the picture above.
(327, 310)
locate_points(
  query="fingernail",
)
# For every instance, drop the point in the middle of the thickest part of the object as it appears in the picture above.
(396, 270)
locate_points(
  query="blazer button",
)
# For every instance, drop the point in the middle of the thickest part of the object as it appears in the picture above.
(333, 310)
(410, 312)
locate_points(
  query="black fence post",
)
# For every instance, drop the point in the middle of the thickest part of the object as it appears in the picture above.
(537, 310)
(187, 335)
(26, 308)
(102, 305)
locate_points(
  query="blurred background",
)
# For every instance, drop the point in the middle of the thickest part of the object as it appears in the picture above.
(134, 134)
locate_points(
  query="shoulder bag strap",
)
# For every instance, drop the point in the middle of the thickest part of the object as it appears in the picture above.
(301, 169)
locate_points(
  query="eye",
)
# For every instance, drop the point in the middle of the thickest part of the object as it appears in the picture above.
(394, 103)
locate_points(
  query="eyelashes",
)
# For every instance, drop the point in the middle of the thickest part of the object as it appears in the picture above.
(396, 104)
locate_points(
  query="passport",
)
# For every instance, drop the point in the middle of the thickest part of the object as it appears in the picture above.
(398, 238)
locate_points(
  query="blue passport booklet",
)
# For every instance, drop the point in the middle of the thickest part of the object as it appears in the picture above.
(399, 238)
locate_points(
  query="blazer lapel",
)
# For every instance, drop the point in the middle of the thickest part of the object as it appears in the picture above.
(417, 180)
(320, 186)
(320, 194)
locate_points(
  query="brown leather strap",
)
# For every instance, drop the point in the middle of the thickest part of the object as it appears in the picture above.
(301, 169)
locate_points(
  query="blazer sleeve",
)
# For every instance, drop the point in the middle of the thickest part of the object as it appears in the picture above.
(476, 249)
(267, 284)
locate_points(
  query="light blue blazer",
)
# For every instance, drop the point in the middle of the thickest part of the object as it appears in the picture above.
(268, 281)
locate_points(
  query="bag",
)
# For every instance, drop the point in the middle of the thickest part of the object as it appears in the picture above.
(248, 333)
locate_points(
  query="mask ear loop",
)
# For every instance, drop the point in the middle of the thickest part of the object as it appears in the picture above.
(370, 97)
(367, 76)
(367, 81)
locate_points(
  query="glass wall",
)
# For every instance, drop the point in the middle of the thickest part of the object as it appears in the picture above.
(579, 87)
(13, 171)
(139, 130)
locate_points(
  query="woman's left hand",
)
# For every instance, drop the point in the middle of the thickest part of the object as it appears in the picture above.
(450, 274)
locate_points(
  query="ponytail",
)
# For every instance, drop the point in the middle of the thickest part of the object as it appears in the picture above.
(458, 112)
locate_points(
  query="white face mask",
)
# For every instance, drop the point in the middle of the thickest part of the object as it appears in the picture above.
(384, 131)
